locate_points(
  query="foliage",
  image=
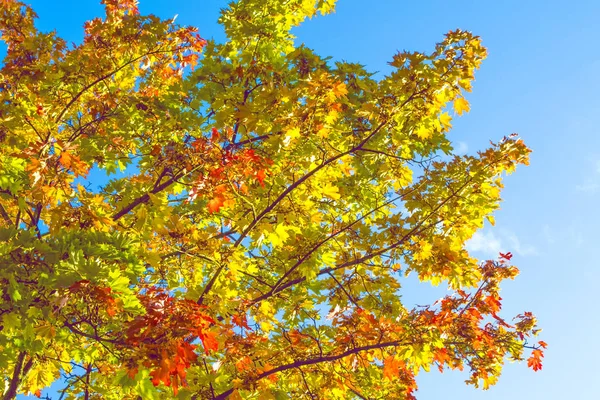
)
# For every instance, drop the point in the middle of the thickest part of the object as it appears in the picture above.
(271, 203)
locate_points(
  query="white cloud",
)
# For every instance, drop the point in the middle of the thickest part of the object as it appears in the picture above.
(588, 187)
(520, 248)
(576, 236)
(489, 244)
(462, 148)
(485, 243)
(548, 234)
(592, 184)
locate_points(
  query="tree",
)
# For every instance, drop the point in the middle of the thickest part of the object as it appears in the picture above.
(270, 206)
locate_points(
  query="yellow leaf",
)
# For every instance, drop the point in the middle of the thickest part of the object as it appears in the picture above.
(323, 132)
(40, 377)
(340, 89)
(331, 191)
(279, 236)
(424, 251)
(235, 395)
(445, 119)
(461, 105)
(423, 133)
(293, 133)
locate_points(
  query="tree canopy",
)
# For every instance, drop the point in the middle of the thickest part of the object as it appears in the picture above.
(271, 204)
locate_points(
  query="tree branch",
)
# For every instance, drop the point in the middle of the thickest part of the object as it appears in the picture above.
(283, 195)
(104, 77)
(19, 372)
(317, 360)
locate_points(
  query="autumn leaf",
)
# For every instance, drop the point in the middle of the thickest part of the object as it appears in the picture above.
(535, 360)
(215, 204)
(339, 89)
(65, 159)
(461, 105)
(214, 134)
(391, 367)
(240, 320)
(260, 176)
(209, 341)
(178, 264)
(331, 191)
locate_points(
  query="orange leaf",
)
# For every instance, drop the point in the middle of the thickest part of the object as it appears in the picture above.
(535, 361)
(209, 341)
(391, 367)
(132, 372)
(260, 176)
(65, 159)
(241, 321)
(243, 364)
(215, 204)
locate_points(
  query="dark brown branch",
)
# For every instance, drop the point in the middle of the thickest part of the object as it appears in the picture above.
(88, 371)
(322, 242)
(283, 195)
(5, 215)
(252, 140)
(104, 77)
(317, 360)
(19, 372)
(145, 197)
(347, 264)
(385, 154)
(79, 332)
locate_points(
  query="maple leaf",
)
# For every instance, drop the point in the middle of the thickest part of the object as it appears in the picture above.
(240, 320)
(143, 273)
(506, 256)
(391, 367)
(209, 341)
(339, 89)
(535, 361)
(215, 204)
(461, 105)
(65, 159)
(214, 134)
(243, 364)
(331, 191)
(260, 176)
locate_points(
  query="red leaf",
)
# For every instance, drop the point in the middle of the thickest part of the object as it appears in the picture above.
(185, 351)
(506, 256)
(535, 361)
(215, 204)
(260, 176)
(132, 372)
(214, 134)
(391, 367)
(209, 341)
(241, 321)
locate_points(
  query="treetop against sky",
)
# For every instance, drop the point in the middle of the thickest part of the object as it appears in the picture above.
(261, 211)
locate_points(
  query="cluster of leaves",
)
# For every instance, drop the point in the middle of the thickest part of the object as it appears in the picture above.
(271, 205)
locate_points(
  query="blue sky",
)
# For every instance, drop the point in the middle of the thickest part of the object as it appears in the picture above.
(541, 80)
